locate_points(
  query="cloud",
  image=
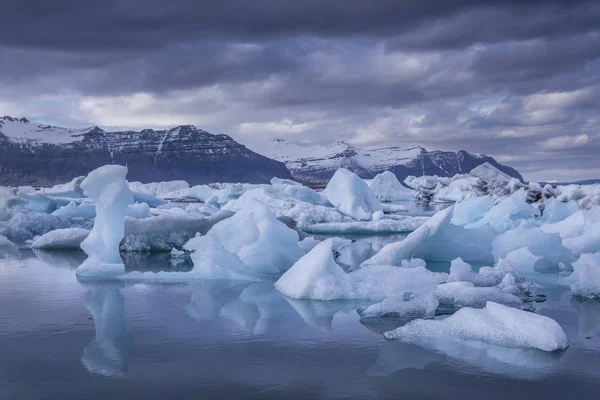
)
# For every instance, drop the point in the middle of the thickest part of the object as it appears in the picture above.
(565, 142)
(506, 77)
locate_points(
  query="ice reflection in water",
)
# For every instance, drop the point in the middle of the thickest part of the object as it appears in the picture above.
(107, 353)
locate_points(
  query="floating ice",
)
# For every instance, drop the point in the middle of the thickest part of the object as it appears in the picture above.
(281, 181)
(170, 189)
(488, 173)
(61, 239)
(495, 324)
(420, 304)
(317, 276)
(172, 228)
(546, 245)
(351, 195)
(24, 226)
(388, 188)
(585, 195)
(455, 295)
(471, 210)
(283, 205)
(438, 240)
(406, 224)
(69, 189)
(585, 279)
(507, 213)
(259, 239)
(77, 210)
(107, 187)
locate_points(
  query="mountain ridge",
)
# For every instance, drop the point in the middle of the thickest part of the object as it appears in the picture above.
(317, 163)
(37, 154)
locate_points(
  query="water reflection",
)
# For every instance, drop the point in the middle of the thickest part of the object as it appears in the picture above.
(107, 353)
(516, 363)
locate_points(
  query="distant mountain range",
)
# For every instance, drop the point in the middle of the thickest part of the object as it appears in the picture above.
(35, 154)
(316, 164)
(41, 155)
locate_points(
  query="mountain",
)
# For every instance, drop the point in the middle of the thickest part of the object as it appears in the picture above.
(35, 154)
(316, 164)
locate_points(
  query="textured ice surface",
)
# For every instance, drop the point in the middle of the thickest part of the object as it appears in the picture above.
(438, 240)
(259, 239)
(68, 238)
(456, 295)
(471, 210)
(171, 228)
(282, 205)
(495, 324)
(388, 188)
(23, 226)
(507, 213)
(585, 280)
(85, 210)
(160, 189)
(488, 173)
(351, 195)
(317, 276)
(107, 187)
(406, 224)
(546, 245)
(420, 304)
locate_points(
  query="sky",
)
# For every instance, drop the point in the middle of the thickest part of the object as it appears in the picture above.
(518, 80)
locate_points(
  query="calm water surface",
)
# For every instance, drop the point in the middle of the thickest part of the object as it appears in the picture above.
(63, 339)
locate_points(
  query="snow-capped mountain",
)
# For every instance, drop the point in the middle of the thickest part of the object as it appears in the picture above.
(317, 164)
(35, 154)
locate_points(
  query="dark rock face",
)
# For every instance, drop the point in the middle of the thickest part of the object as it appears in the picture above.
(448, 164)
(184, 152)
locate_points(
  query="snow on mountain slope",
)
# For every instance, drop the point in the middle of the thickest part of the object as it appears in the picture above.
(316, 164)
(34, 154)
(22, 131)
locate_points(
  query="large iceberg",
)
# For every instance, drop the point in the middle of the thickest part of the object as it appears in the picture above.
(439, 240)
(388, 188)
(318, 276)
(107, 187)
(495, 324)
(351, 195)
(259, 239)
(400, 225)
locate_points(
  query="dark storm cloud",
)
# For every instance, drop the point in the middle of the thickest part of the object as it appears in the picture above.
(515, 78)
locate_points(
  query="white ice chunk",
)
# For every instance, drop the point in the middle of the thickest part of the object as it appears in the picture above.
(388, 188)
(107, 187)
(351, 195)
(69, 189)
(281, 181)
(585, 279)
(138, 210)
(259, 239)
(283, 205)
(420, 304)
(25, 226)
(68, 238)
(489, 173)
(471, 210)
(546, 245)
(74, 210)
(169, 189)
(495, 324)
(406, 224)
(317, 276)
(438, 240)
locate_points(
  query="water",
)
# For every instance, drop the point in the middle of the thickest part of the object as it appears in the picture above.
(62, 339)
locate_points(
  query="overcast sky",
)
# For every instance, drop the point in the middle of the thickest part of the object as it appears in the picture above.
(518, 80)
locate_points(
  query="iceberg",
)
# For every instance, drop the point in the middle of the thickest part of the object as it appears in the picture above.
(488, 173)
(420, 304)
(351, 196)
(585, 279)
(317, 276)
(495, 324)
(259, 239)
(438, 240)
(23, 226)
(284, 206)
(170, 229)
(388, 188)
(455, 295)
(406, 224)
(61, 239)
(107, 187)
